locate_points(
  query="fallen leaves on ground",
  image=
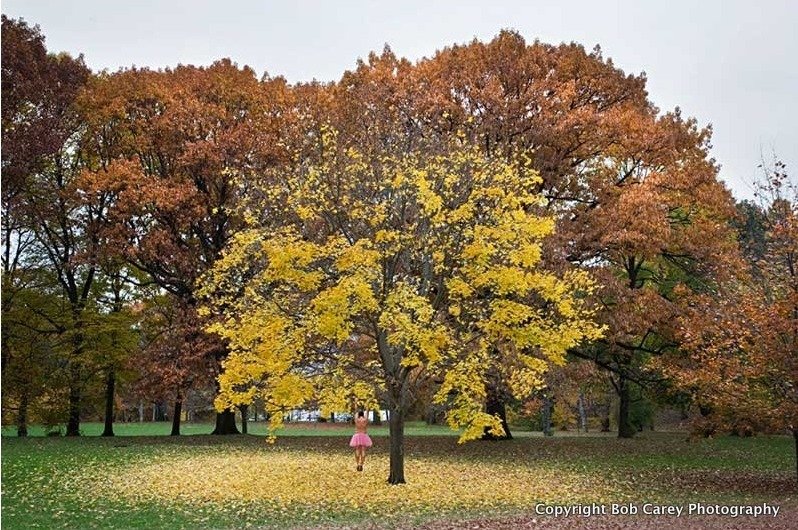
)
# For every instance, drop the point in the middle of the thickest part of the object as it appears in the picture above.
(286, 479)
(242, 482)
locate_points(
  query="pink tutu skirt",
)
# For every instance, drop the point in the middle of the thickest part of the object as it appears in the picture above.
(360, 438)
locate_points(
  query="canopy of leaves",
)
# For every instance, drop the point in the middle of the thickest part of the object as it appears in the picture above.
(394, 268)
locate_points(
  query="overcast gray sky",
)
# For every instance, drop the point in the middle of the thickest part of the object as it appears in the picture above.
(731, 64)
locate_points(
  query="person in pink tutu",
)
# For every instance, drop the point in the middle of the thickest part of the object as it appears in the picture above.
(360, 440)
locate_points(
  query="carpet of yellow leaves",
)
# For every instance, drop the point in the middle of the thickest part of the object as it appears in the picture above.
(288, 479)
(310, 481)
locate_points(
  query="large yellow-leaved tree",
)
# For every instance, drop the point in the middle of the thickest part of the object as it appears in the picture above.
(360, 274)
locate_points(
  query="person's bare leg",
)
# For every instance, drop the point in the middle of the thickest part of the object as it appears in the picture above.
(357, 456)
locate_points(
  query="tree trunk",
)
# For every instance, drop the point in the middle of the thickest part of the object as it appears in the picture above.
(377, 418)
(545, 417)
(431, 415)
(244, 411)
(159, 411)
(22, 416)
(225, 420)
(606, 410)
(178, 412)
(582, 413)
(494, 405)
(332, 417)
(625, 428)
(73, 421)
(397, 434)
(141, 411)
(110, 382)
(795, 437)
(225, 423)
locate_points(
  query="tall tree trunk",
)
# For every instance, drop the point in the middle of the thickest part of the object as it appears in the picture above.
(141, 411)
(397, 448)
(582, 413)
(377, 418)
(494, 405)
(545, 417)
(177, 413)
(73, 420)
(625, 427)
(110, 382)
(225, 423)
(795, 437)
(244, 411)
(22, 415)
(332, 417)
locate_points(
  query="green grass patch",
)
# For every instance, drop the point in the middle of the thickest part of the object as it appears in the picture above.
(308, 479)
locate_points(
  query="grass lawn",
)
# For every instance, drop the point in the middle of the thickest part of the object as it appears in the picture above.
(307, 477)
